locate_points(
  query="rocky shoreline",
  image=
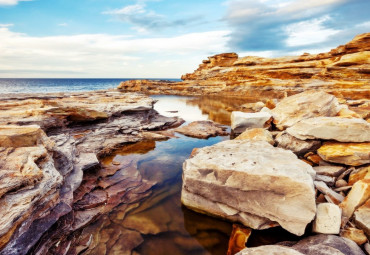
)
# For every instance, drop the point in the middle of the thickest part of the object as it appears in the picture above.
(299, 160)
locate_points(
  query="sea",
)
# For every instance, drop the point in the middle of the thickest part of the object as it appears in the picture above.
(46, 85)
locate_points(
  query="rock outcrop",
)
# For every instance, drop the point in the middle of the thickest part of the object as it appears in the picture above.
(250, 182)
(344, 72)
(202, 129)
(52, 183)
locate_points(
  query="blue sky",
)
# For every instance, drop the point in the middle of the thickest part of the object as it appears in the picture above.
(164, 38)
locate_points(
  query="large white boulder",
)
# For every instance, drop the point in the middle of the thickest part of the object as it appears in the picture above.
(332, 128)
(250, 182)
(328, 219)
(305, 105)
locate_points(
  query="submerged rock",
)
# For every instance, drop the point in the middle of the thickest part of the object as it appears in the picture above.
(332, 128)
(250, 182)
(202, 129)
(302, 106)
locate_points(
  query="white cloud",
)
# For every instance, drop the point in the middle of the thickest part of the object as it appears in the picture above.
(11, 2)
(63, 24)
(6, 25)
(309, 32)
(102, 55)
(128, 10)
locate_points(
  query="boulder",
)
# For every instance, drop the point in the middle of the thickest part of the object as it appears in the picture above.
(352, 154)
(332, 128)
(240, 121)
(328, 219)
(202, 129)
(269, 250)
(256, 134)
(327, 245)
(286, 141)
(250, 182)
(305, 105)
(358, 195)
(362, 218)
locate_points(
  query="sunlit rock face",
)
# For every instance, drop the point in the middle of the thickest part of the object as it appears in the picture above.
(343, 72)
(51, 181)
(250, 182)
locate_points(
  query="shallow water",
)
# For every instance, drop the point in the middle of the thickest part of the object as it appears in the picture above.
(159, 224)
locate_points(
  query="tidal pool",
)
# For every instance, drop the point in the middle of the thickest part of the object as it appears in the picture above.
(157, 223)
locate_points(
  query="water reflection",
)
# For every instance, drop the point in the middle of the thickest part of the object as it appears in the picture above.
(217, 109)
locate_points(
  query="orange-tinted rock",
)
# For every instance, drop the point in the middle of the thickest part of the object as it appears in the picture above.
(359, 174)
(352, 154)
(256, 134)
(238, 239)
(343, 72)
(354, 234)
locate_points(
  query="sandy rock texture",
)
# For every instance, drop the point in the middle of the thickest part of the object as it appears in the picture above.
(250, 182)
(52, 182)
(342, 72)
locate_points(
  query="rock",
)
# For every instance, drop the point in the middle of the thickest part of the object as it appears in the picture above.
(328, 219)
(327, 179)
(88, 161)
(352, 154)
(302, 106)
(250, 182)
(332, 128)
(358, 195)
(240, 121)
(269, 250)
(355, 235)
(238, 239)
(327, 244)
(362, 217)
(256, 134)
(333, 171)
(341, 183)
(265, 78)
(202, 129)
(359, 174)
(23, 136)
(286, 141)
(329, 193)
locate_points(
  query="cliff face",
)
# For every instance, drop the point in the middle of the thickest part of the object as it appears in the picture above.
(344, 71)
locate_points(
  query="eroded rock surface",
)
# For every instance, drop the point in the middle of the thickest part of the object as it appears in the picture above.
(52, 183)
(342, 72)
(250, 182)
(202, 129)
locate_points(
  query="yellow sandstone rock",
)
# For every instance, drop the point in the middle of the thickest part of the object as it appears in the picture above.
(256, 134)
(352, 154)
(355, 235)
(359, 174)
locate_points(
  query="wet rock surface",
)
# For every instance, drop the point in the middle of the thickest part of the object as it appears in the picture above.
(202, 129)
(52, 183)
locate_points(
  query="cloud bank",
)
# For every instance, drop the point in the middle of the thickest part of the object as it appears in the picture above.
(102, 55)
(290, 26)
(10, 2)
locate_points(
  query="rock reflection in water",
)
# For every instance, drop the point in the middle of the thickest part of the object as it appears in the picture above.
(155, 223)
(219, 109)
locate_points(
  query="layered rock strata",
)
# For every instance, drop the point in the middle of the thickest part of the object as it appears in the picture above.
(52, 182)
(344, 72)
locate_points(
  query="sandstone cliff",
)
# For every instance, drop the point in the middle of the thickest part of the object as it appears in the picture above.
(344, 71)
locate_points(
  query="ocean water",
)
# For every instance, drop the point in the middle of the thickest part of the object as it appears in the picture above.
(58, 85)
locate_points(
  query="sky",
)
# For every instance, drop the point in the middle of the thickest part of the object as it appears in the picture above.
(164, 38)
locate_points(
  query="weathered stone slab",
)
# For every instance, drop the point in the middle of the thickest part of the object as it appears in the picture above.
(362, 218)
(240, 121)
(269, 250)
(305, 105)
(351, 154)
(286, 141)
(333, 171)
(256, 134)
(253, 178)
(332, 128)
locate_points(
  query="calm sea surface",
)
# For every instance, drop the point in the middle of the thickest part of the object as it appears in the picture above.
(57, 85)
